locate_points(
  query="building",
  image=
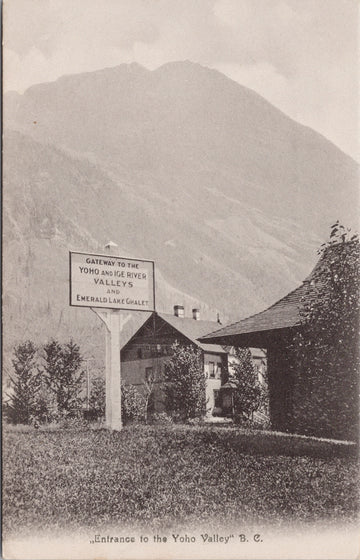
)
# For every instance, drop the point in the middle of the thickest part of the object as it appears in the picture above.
(296, 404)
(146, 353)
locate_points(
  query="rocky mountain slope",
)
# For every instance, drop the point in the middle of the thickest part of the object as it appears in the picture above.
(227, 194)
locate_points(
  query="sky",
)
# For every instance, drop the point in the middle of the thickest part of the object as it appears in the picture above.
(301, 55)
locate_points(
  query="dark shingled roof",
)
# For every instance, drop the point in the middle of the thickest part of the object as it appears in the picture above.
(283, 314)
(193, 330)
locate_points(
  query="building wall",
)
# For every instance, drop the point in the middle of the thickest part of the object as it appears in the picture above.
(280, 384)
(133, 371)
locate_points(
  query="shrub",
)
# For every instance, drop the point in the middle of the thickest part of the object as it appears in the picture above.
(148, 394)
(161, 418)
(97, 397)
(132, 404)
(185, 383)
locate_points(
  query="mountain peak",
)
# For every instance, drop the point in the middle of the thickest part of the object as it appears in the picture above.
(181, 153)
(181, 66)
(130, 67)
(182, 63)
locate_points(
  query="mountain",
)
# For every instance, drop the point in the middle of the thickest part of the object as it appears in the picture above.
(181, 165)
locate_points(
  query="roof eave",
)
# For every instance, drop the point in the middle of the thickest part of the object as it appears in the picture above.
(256, 339)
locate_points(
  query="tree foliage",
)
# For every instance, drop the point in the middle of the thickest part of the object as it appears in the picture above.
(185, 382)
(64, 376)
(22, 406)
(97, 397)
(248, 394)
(132, 404)
(148, 393)
(326, 348)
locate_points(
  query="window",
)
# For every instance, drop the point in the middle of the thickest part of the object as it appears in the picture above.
(218, 370)
(139, 353)
(212, 369)
(156, 350)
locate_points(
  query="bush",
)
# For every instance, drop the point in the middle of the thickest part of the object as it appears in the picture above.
(132, 405)
(97, 398)
(161, 418)
(185, 383)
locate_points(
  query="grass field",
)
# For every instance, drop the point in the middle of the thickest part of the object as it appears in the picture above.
(156, 476)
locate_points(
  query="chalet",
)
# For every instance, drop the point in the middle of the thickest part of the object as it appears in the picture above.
(297, 404)
(146, 353)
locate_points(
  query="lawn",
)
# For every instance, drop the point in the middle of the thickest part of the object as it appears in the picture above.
(156, 476)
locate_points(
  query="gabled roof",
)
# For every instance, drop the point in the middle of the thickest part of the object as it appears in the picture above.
(193, 329)
(190, 328)
(284, 314)
(281, 315)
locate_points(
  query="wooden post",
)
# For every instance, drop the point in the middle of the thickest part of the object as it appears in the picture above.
(111, 318)
(87, 386)
(114, 323)
(115, 371)
(107, 369)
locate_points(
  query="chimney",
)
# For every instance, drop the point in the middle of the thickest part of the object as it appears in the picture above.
(179, 311)
(111, 248)
(196, 314)
(218, 319)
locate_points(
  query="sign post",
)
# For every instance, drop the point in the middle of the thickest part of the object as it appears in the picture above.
(114, 323)
(109, 284)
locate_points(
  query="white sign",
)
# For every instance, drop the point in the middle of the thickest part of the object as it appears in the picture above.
(111, 282)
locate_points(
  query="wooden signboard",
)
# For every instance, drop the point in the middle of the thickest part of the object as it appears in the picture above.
(111, 282)
(108, 285)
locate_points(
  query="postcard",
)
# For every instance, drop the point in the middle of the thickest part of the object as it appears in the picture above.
(180, 279)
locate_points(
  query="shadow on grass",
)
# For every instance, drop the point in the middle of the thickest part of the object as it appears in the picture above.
(274, 443)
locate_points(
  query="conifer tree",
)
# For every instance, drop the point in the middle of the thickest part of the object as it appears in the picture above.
(185, 382)
(248, 393)
(25, 384)
(64, 375)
